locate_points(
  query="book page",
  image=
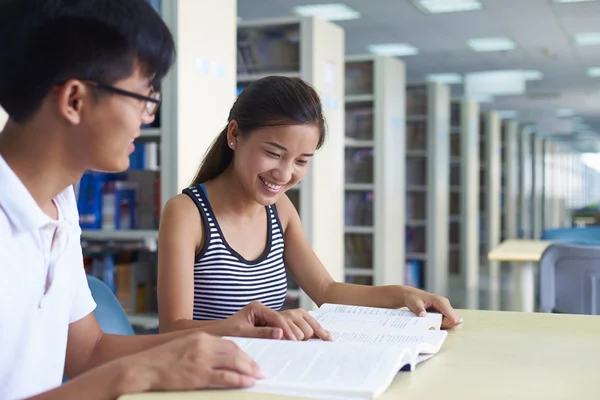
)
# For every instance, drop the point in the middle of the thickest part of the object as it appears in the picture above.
(432, 317)
(340, 369)
(372, 322)
(428, 342)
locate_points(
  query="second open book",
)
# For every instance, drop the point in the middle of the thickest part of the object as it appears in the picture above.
(369, 347)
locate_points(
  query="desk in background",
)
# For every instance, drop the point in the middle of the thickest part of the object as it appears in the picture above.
(524, 253)
(494, 355)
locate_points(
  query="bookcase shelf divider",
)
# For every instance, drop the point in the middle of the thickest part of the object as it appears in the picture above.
(469, 200)
(538, 185)
(492, 208)
(510, 171)
(525, 183)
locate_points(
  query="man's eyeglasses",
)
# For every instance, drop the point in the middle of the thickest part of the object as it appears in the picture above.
(152, 100)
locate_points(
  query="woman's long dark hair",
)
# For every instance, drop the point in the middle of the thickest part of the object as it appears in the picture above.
(271, 101)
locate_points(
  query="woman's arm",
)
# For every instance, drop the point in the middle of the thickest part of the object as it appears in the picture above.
(180, 237)
(313, 278)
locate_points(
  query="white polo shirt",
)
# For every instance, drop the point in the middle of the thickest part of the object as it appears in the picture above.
(34, 322)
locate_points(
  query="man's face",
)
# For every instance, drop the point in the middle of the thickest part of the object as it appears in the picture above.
(110, 124)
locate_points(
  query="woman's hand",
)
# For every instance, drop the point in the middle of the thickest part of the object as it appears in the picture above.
(254, 320)
(303, 325)
(419, 301)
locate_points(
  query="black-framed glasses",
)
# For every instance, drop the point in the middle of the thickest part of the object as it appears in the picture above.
(153, 99)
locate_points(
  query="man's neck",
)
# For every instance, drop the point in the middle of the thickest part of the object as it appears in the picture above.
(40, 162)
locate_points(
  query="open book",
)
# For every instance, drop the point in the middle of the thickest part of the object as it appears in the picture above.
(370, 347)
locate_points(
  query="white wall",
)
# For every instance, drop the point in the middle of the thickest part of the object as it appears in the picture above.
(200, 90)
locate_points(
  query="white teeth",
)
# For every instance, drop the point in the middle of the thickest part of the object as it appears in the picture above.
(270, 185)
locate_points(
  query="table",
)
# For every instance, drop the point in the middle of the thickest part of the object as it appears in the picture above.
(494, 355)
(525, 254)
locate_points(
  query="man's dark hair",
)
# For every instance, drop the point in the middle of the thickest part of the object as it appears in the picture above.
(47, 42)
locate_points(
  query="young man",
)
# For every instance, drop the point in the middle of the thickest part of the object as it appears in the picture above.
(76, 81)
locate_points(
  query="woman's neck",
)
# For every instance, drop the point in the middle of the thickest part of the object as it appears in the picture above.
(230, 196)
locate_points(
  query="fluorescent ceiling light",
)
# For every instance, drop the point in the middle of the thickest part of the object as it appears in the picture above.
(572, 1)
(506, 114)
(445, 6)
(491, 44)
(587, 38)
(532, 75)
(495, 83)
(565, 113)
(329, 12)
(393, 49)
(594, 72)
(481, 98)
(444, 78)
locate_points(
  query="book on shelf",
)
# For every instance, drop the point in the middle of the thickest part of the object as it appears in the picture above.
(370, 346)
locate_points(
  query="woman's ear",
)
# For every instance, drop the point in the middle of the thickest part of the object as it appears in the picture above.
(232, 134)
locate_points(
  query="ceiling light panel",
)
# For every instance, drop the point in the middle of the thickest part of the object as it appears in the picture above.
(573, 1)
(393, 49)
(507, 114)
(594, 72)
(449, 79)
(329, 12)
(565, 113)
(481, 98)
(492, 44)
(587, 38)
(532, 75)
(446, 6)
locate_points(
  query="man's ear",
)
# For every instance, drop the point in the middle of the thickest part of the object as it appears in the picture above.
(71, 98)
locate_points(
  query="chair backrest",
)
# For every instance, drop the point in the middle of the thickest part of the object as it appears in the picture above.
(570, 279)
(108, 312)
(582, 236)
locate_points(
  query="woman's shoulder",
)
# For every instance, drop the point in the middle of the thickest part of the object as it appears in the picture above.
(181, 210)
(285, 210)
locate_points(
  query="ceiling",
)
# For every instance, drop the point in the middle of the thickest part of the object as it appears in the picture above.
(541, 29)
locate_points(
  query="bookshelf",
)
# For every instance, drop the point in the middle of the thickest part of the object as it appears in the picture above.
(537, 161)
(525, 212)
(510, 179)
(374, 170)
(550, 220)
(427, 183)
(313, 50)
(490, 152)
(464, 198)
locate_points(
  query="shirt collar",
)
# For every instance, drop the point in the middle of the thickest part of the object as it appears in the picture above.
(18, 204)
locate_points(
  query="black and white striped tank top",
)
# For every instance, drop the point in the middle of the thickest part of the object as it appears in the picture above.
(224, 281)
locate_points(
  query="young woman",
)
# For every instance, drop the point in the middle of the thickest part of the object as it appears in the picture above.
(229, 238)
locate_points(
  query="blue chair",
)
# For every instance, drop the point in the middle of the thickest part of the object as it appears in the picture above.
(570, 279)
(109, 313)
(581, 236)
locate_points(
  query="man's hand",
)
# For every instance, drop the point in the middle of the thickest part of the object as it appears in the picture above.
(195, 361)
(304, 325)
(258, 321)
